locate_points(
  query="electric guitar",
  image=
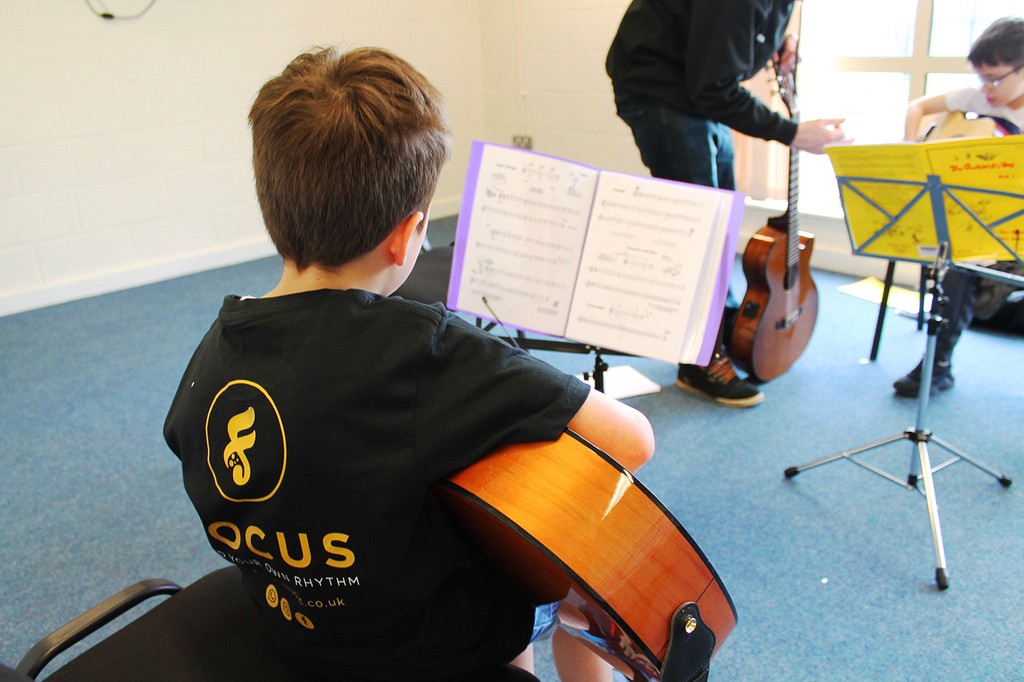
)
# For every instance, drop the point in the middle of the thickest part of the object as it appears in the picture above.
(565, 522)
(780, 307)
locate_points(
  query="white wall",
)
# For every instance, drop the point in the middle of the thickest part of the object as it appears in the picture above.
(124, 149)
(561, 95)
(563, 99)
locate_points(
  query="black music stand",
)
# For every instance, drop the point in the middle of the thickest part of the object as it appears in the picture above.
(428, 283)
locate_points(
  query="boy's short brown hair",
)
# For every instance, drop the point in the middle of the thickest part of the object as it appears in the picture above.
(1000, 43)
(345, 146)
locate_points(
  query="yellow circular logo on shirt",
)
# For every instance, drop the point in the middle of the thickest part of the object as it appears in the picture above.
(246, 448)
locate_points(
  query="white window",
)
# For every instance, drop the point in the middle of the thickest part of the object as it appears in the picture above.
(866, 61)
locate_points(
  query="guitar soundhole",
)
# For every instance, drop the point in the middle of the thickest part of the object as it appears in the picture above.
(751, 309)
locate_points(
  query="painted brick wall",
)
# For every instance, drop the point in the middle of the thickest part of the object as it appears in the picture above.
(124, 151)
(124, 148)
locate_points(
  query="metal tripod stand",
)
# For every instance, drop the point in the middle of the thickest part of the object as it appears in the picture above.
(920, 463)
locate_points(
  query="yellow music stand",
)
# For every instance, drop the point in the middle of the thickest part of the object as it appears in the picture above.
(945, 203)
(902, 200)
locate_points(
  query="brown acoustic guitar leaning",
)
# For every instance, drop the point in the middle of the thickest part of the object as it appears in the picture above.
(780, 307)
(565, 522)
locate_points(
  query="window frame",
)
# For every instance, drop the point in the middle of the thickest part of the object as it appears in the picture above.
(918, 65)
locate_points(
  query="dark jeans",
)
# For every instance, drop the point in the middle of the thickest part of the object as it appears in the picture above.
(676, 146)
(959, 291)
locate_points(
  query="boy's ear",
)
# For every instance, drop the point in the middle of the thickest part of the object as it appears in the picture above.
(400, 238)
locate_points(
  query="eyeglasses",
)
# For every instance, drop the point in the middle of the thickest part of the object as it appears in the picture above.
(994, 82)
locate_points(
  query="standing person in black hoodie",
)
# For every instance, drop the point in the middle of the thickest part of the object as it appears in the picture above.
(676, 68)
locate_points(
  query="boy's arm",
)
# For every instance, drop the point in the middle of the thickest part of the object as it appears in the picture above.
(918, 109)
(616, 428)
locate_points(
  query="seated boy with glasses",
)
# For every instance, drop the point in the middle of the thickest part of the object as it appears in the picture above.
(997, 57)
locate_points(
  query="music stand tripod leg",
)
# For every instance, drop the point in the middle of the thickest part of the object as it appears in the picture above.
(941, 574)
(920, 463)
(845, 454)
(1003, 479)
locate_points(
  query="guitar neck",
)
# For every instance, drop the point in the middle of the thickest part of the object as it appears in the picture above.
(792, 212)
(790, 221)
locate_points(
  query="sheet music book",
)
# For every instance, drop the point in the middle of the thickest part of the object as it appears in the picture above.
(901, 200)
(621, 262)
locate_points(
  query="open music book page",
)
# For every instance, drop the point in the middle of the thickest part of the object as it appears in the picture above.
(621, 262)
(902, 200)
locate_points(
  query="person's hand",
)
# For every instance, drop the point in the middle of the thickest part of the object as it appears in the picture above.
(784, 61)
(812, 136)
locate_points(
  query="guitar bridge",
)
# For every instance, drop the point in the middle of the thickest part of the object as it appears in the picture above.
(789, 320)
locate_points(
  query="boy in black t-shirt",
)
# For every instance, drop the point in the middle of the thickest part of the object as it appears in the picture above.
(311, 422)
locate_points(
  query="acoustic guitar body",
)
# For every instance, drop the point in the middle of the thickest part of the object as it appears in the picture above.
(779, 310)
(956, 124)
(565, 522)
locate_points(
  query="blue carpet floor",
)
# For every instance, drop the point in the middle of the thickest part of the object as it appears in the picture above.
(832, 572)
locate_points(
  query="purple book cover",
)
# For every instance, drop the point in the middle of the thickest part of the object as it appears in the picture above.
(732, 237)
(476, 153)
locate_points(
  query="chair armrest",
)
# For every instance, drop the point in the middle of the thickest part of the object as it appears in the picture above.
(49, 647)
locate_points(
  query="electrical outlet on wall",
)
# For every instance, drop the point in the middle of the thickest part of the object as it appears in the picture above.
(522, 141)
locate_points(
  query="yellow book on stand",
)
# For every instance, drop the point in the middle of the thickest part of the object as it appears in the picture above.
(902, 200)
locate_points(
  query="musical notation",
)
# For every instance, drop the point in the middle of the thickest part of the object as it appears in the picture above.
(603, 323)
(608, 259)
(529, 203)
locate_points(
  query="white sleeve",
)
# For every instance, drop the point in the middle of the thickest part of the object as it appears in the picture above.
(966, 100)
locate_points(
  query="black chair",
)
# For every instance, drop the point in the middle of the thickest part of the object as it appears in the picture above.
(428, 281)
(209, 630)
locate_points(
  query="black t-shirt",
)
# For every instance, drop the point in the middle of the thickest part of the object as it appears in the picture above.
(310, 428)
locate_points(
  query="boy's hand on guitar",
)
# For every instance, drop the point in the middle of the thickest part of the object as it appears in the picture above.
(812, 136)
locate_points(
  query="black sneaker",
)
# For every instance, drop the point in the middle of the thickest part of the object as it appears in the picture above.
(719, 382)
(910, 385)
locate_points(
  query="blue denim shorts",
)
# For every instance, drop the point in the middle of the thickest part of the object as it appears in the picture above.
(545, 620)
